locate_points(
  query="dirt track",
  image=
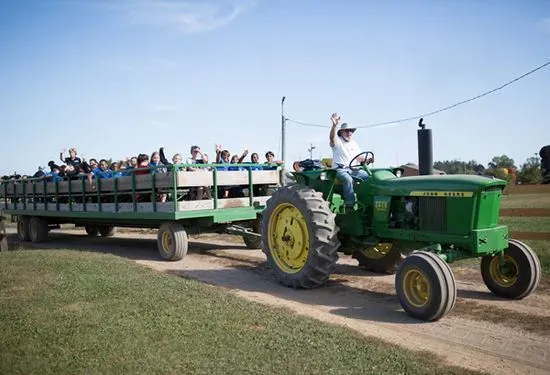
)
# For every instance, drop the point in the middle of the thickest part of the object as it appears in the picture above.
(483, 332)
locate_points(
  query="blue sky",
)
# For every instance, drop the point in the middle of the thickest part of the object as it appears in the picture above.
(119, 77)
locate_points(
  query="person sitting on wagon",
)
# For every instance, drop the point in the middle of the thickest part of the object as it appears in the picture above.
(198, 157)
(270, 159)
(156, 162)
(344, 149)
(72, 159)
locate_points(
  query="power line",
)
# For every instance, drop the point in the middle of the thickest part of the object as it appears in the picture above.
(434, 112)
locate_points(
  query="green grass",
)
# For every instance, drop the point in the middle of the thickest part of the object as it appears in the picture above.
(532, 224)
(526, 224)
(526, 201)
(64, 312)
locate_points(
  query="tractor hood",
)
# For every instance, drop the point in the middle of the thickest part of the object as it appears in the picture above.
(437, 183)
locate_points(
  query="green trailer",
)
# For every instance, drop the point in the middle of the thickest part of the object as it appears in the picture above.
(135, 201)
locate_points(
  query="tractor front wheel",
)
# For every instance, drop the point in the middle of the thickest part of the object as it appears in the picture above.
(382, 258)
(299, 237)
(519, 274)
(425, 286)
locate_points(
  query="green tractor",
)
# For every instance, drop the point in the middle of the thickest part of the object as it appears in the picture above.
(410, 226)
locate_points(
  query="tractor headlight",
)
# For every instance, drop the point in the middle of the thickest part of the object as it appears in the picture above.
(398, 172)
(323, 176)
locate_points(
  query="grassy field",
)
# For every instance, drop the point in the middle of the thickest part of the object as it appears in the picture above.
(530, 224)
(526, 201)
(64, 312)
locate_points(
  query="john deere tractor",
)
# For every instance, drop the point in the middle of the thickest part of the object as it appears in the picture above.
(413, 226)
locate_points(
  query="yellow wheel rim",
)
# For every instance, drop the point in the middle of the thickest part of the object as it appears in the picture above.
(288, 238)
(505, 276)
(377, 252)
(416, 287)
(166, 242)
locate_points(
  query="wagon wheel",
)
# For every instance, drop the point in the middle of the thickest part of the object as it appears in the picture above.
(23, 228)
(253, 242)
(425, 286)
(91, 230)
(172, 241)
(299, 237)
(107, 230)
(38, 229)
(518, 277)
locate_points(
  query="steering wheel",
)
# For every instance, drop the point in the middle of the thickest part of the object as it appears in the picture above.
(356, 167)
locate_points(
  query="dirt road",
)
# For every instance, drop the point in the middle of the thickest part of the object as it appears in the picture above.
(483, 332)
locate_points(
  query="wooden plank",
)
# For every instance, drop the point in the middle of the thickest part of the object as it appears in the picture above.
(208, 204)
(194, 178)
(540, 212)
(544, 236)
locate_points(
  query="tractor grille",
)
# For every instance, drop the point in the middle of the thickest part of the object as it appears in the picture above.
(433, 214)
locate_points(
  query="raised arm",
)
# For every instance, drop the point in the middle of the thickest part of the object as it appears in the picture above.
(240, 161)
(61, 156)
(163, 159)
(218, 152)
(335, 118)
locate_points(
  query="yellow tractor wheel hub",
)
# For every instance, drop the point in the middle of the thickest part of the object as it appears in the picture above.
(288, 238)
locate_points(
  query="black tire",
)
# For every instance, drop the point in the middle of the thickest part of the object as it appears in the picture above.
(254, 242)
(172, 241)
(107, 230)
(424, 270)
(91, 230)
(23, 228)
(38, 229)
(519, 278)
(4, 242)
(303, 217)
(382, 258)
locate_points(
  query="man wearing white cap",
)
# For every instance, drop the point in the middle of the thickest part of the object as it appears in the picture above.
(344, 148)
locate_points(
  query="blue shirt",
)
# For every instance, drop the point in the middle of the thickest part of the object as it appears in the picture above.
(98, 173)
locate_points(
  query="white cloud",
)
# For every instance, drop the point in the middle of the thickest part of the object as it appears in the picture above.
(187, 16)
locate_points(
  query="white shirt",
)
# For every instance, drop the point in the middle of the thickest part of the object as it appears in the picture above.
(343, 152)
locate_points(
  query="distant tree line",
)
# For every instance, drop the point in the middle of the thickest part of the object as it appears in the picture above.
(503, 167)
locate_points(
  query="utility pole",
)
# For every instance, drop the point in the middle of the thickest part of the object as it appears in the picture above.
(310, 149)
(283, 146)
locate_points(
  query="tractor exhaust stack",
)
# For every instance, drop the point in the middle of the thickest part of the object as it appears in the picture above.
(425, 149)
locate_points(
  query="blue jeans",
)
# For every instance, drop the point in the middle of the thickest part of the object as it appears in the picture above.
(346, 175)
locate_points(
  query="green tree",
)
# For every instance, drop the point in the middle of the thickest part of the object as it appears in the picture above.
(530, 172)
(502, 161)
(459, 167)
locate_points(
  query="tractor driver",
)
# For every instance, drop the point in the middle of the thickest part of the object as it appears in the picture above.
(344, 148)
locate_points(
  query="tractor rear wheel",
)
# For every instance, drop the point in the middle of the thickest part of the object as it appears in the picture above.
(425, 286)
(23, 228)
(299, 237)
(518, 277)
(382, 258)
